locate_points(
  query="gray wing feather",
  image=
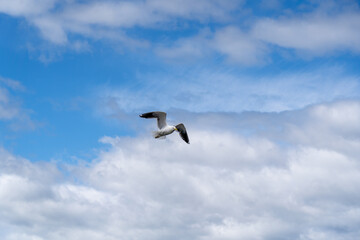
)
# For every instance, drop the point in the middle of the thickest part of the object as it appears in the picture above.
(161, 118)
(182, 132)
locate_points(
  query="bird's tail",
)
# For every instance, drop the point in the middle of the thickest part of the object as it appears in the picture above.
(157, 135)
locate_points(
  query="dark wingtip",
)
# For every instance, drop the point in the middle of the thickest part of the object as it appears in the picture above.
(147, 115)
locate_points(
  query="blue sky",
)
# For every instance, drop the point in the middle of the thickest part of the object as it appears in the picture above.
(265, 88)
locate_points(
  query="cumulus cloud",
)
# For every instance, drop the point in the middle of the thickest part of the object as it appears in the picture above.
(268, 183)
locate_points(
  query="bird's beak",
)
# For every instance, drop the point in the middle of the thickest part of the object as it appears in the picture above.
(176, 129)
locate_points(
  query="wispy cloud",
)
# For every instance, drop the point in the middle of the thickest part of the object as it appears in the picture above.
(13, 84)
(224, 185)
(56, 20)
(235, 45)
(238, 46)
(26, 8)
(7, 108)
(203, 91)
(11, 110)
(153, 13)
(314, 33)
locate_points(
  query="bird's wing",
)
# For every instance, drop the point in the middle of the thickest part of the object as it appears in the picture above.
(161, 118)
(182, 132)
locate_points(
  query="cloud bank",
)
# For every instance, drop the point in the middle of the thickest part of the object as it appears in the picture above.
(289, 175)
(322, 30)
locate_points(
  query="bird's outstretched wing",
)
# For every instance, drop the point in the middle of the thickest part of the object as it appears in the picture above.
(182, 132)
(161, 118)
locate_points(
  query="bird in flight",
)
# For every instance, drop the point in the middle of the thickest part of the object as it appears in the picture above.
(164, 128)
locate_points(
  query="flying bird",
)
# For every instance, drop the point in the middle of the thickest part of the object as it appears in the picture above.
(164, 128)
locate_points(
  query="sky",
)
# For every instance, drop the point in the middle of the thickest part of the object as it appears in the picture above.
(269, 92)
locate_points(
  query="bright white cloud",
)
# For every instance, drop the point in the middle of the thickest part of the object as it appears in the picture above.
(224, 185)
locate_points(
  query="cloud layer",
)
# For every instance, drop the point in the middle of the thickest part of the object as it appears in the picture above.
(292, 175)
(321, 30)
(289, 169)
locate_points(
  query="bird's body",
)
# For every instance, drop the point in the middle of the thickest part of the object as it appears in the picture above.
(164, 128)
(164, 131)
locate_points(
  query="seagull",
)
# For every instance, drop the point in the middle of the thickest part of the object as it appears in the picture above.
(165, 129)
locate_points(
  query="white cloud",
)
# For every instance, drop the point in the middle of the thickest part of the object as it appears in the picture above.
(51, 29)
(201, 9)
(341, 117)
(145, 13)
(189, 49)
(238, 46)
(241, 38)
(225, 185)
(26, 7)
(55, 23)
(315, 33)
(114, 14)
